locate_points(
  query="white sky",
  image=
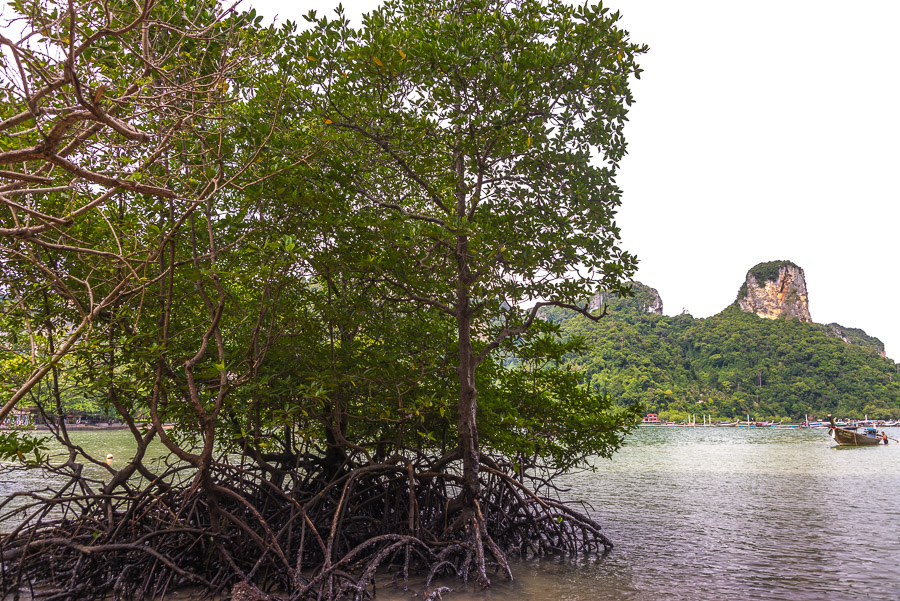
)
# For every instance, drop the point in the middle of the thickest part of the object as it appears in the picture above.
(762, 131)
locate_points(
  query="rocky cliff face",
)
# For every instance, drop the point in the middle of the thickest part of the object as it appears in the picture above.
(775, 289)
(654, 304)
(855, 336)
(645, 299)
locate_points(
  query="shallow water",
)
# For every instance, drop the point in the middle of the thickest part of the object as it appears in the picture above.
(716, 513)
(98, 443)
(731, 513)
(738, 513)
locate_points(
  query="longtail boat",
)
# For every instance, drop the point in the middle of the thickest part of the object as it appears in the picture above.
(851, 438)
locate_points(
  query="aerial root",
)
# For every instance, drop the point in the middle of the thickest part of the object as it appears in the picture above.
(438, 593)
(258, 541)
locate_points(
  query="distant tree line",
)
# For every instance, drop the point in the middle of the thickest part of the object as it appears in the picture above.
(732, 364)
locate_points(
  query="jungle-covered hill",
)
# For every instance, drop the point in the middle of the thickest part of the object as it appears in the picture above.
(731, 364)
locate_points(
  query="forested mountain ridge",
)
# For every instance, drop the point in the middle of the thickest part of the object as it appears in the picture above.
(732, 363)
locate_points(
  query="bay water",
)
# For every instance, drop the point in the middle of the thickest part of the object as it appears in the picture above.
(733, 513)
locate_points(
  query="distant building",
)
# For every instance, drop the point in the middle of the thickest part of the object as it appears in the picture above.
(18, 418)
(651, 418)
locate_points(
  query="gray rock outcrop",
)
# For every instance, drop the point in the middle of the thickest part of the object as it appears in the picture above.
(644, 298)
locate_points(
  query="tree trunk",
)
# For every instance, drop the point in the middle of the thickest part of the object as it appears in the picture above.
(466, 409)
(469, 498)
(472, 518)
(468, 428)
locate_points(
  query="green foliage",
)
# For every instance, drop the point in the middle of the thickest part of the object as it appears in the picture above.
(733, 364)
(298, 255)
(140, 210)
(855, 336)
(22, 448)
(768, 272)
(450, 120)
(537, 406)
(460, 172)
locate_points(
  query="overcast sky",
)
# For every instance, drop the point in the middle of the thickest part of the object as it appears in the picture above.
(762, 131)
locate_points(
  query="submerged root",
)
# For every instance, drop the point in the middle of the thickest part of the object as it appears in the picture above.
(306, 539)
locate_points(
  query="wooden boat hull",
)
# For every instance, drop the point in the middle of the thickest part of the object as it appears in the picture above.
(853, 439)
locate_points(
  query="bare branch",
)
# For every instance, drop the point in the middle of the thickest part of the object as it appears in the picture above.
(507, 332)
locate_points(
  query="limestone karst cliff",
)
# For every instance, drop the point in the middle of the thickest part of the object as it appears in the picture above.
(644, 299)
(775, 289)
(778, 289)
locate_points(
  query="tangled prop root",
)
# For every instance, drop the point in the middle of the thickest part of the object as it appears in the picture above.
(307, 538)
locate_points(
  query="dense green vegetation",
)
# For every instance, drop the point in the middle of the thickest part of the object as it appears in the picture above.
(733, 364)
(768, 272)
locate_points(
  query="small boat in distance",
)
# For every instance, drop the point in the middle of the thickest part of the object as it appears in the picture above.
(847, 437)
